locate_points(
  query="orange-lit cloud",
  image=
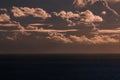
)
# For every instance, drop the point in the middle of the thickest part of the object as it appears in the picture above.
(88, 16)
(75, 19)
(25, 11)
(98, 39)
(4, 18)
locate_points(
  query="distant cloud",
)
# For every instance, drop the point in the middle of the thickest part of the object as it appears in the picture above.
(98, 39)
(73, 19)
(82, 3)
(62, 18)
(88, 16)
(17, 12)
(34, 12)
(58, 37)
(113, 1)
(4, 18)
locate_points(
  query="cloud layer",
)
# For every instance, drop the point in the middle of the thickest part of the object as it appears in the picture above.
(113, 1)
(97, 39)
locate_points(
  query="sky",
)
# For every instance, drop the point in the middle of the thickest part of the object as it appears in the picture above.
(67, 18)
(19, 2)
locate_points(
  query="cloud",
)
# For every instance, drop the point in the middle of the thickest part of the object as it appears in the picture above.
(4, 18)
(58, 19)
(82, 3)
(99, 39)
(17, 12)
(113, 1)
(71, 39)
(65, 15)
(58, 37)
(34, 12)
(88, 16)
(70, 18)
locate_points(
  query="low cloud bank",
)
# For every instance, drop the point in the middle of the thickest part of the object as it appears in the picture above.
(61, 18)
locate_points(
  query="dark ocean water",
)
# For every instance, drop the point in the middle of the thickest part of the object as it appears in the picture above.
(60, 67)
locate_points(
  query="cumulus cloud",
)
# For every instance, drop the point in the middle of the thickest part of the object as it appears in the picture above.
(113, 1)
(34, 12)
(75, 19)
(4, 18)
(3, 10)
(17, 12)
(58, 37)
(82, 3)
(79, 3)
